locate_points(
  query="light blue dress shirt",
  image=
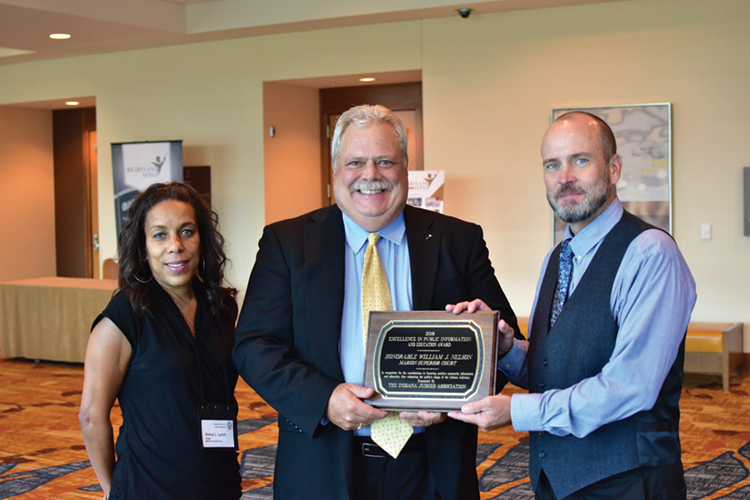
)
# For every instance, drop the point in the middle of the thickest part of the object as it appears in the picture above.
(652, 298)
(394, 252)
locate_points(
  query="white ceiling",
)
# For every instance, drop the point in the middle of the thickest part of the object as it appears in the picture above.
(100, 26)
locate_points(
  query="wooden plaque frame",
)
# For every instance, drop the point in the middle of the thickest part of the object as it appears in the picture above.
(430, 361)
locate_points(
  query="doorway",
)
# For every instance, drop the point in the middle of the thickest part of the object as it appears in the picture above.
(75, 168)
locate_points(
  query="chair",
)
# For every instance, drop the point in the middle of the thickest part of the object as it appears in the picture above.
(110, 269)
(714, 348)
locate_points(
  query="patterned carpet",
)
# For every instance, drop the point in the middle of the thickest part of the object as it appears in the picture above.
(42, 454)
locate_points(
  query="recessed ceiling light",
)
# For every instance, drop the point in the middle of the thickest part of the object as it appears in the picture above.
(72, 103)
(59, 36)
(368, 79)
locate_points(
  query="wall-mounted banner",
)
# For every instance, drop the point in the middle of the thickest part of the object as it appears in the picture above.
(426, 189)
(137, 165)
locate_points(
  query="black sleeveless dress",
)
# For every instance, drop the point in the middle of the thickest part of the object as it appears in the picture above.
(159, 453)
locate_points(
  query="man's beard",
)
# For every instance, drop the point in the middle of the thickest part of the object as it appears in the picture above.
(594, 199)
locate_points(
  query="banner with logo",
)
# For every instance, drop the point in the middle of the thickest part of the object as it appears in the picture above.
(137, 165)
(426, 189)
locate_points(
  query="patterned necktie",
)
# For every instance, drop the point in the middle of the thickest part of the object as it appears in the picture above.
(376, 294)
(563, 280)
(390, 433)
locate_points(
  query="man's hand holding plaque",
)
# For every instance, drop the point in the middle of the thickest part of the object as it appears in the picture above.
(505, 339)
(494, 411)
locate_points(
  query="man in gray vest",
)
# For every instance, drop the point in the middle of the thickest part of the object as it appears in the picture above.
(604, 359)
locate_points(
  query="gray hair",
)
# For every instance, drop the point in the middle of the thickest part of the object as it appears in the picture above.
(365, 115)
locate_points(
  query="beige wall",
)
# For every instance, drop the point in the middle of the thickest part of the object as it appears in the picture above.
(291, 158)
(522, 64)
(27, 194)
(489, 83)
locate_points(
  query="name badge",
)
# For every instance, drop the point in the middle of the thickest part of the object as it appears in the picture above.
(218, 426)
(217, 433)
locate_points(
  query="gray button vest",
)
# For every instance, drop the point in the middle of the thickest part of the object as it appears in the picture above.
(578, 347)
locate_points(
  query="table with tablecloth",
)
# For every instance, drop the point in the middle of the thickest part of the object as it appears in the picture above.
(50, 318)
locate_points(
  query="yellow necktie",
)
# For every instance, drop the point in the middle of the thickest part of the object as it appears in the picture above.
(390, 433)
(376, 294)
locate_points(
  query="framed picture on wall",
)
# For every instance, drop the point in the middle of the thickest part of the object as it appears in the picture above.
(644, 141)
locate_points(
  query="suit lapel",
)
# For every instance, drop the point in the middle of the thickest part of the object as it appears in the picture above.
(424, 249)
(324, 242)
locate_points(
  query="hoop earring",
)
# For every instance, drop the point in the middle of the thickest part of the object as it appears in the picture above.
(139, 280)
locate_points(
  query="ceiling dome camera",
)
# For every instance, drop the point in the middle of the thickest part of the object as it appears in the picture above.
(465, 13)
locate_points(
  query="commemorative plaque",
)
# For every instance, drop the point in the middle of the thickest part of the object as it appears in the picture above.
(430, 361)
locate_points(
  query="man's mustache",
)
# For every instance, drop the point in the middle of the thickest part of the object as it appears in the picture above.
(569, 189)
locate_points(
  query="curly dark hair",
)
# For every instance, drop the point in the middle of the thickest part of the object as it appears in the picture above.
(135, 273)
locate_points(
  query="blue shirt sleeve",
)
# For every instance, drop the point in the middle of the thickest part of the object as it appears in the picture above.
(513, 364)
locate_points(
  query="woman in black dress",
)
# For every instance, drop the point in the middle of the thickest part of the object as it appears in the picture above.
(162, 347)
